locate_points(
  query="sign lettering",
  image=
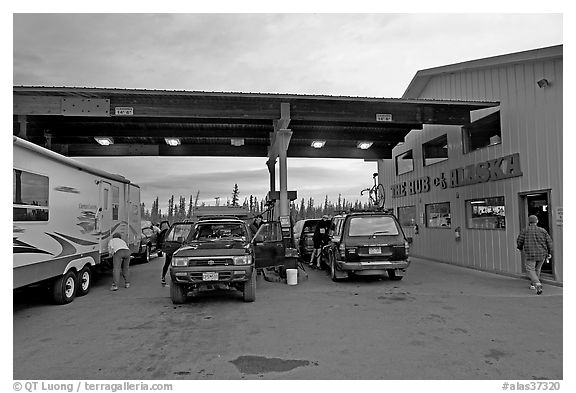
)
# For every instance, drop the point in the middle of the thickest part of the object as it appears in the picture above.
(492, 170)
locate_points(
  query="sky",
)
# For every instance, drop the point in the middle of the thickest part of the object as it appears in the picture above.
(363, 55)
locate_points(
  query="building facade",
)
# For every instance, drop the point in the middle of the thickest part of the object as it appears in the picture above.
(463, 193)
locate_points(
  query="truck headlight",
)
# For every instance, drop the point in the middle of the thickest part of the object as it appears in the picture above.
(243, 260)
(179, 261)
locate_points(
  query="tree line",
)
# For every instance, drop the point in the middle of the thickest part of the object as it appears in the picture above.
(183, 208)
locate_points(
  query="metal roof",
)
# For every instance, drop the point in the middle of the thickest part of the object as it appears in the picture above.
(66, 120)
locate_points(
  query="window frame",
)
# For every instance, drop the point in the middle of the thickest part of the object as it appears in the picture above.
(466, 144)
(468, 216)
(430, 142)
(427, 222)
(396, 162)
(28, 206)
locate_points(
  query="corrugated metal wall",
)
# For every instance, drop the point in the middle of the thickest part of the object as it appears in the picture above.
(531, 120)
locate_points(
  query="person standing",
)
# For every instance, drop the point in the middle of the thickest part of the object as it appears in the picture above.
(120, 261)
(256, 224)
(320, 239)
(536, 244)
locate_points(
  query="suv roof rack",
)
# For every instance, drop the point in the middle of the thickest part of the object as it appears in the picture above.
(205, 218)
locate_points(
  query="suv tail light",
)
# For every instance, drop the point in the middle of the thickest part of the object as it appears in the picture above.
(342, 249)
(406, 248)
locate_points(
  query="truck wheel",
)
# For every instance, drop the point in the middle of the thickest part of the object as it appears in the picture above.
(84, 281)
(177, 293)
(64, 289)
(249, 290)
(332, 264)
(393, 276)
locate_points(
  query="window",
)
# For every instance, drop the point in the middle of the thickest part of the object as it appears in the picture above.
(29, 196)
(269, 232)
(486, 213)
(219, 231)
(435, 151)
(438, 215)
(407, 216)
(482, 132)
(372, 225)
(178, 233)
(404, 163)
(115, 202)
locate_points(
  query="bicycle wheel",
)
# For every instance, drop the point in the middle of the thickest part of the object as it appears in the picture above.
(380, 196)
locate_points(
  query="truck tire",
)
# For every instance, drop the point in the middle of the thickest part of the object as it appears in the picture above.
(177, 293)
(64, 288)
(393, 276)
(84, 281)
(249, 290)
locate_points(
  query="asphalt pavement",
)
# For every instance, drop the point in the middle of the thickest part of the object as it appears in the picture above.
(440, 322)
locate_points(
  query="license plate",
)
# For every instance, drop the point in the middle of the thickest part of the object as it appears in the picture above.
(210, 276)
(374, 250)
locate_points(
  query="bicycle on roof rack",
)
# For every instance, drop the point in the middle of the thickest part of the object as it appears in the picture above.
(376, 193)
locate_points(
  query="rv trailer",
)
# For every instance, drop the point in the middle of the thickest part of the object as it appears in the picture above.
(64, 214)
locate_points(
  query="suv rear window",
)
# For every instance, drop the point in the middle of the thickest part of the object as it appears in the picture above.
(370, 225)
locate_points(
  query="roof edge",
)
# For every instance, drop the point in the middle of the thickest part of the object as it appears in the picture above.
(421, 78)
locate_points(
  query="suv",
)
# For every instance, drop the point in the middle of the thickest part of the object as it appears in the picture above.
(367, 243)
(218, 251)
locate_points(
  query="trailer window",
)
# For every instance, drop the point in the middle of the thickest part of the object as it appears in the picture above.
(29, 196)
(115, 202)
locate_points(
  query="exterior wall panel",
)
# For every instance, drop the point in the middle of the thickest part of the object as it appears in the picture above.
(531, 125)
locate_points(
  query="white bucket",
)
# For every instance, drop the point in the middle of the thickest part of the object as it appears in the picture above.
(292, 276)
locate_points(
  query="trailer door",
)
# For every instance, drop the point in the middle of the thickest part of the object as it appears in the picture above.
(105, 215)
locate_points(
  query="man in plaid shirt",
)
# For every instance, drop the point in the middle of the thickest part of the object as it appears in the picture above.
(536, 244)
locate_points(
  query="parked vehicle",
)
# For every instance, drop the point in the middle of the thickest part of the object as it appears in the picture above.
(367, 243)
(218, 254)
(303, 234)
(148, 244)
(64, 214)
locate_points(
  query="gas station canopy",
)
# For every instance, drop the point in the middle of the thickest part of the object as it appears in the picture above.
(143, 122)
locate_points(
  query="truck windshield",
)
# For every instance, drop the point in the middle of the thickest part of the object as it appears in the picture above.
(218, 231)
(370, 225)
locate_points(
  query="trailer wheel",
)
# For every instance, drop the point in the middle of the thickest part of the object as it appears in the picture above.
(64, 289)
(177, 293)
(249, 289)
(84, 281)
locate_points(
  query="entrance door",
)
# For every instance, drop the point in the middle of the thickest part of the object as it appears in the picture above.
(537, 204)
(105, 215)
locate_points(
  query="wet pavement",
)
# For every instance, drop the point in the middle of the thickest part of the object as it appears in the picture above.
(439, 322)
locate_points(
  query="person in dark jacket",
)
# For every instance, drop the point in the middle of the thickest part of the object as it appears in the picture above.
(320, 238)
(256, 224)
(536, 245)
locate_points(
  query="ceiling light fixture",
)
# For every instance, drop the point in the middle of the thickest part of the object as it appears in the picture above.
(104, 140)
(237, 141)
(318, 144)
(364, 145)
(172, 141)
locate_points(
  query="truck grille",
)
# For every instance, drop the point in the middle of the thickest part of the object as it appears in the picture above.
(210, 262)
